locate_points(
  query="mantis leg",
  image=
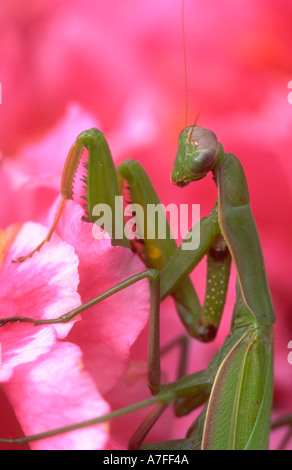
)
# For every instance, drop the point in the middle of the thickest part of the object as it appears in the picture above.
(49, 234)
(183, 343)
(196, 387)
(176, 264)
(192, 441)
(205, 324)
(140, 434)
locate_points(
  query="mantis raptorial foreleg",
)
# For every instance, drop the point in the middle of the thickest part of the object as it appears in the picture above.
(200, 322)
(99, 167)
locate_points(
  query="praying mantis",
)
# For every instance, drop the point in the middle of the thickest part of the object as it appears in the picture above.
(236, 388)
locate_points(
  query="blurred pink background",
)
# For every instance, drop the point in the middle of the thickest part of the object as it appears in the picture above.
(68, 65)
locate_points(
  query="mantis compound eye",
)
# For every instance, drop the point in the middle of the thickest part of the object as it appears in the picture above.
(197, 155)
(201, 162)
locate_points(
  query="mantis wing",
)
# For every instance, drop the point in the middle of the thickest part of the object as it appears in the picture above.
(239, 408)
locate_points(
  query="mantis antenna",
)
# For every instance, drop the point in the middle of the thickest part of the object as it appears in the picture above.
(194, 125)
(185, 61)
(186, 72)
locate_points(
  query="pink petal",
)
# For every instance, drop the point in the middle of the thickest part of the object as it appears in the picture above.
(54, 392)
(41, 287)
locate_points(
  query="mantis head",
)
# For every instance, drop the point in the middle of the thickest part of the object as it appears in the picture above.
(197, 154)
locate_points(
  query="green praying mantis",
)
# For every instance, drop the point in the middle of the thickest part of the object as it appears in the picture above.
(236, 388)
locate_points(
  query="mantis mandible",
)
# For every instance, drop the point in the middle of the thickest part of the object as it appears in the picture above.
(237, 385)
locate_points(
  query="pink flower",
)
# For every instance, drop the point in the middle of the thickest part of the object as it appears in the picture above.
(52, 383)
